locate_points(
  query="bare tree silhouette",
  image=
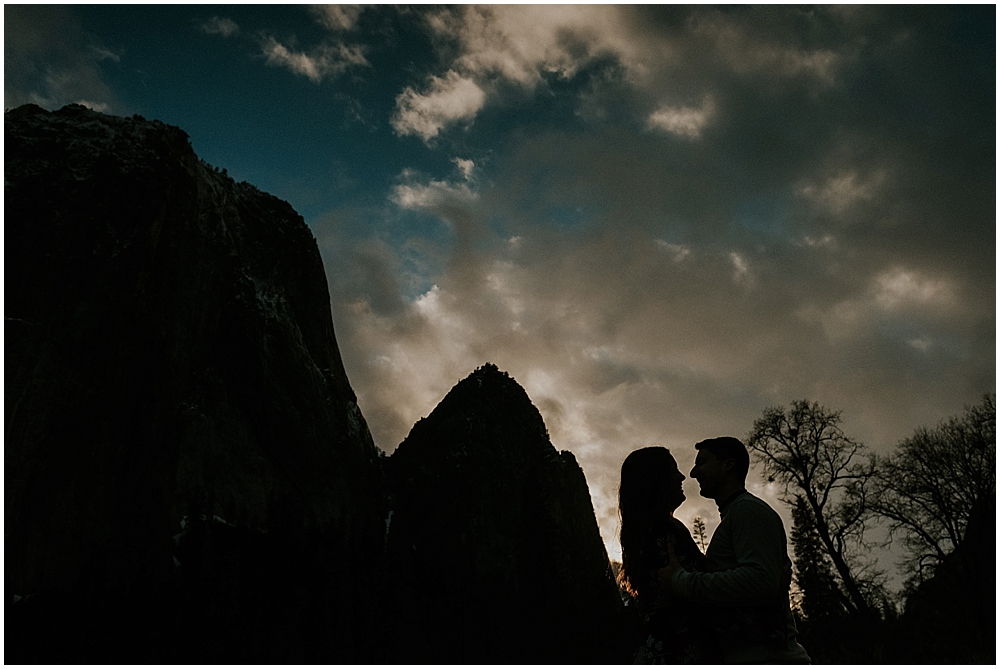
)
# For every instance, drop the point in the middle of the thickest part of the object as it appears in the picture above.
(927, 488)
(804, 449)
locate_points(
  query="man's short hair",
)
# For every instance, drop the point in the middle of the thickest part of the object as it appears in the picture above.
(725, 448)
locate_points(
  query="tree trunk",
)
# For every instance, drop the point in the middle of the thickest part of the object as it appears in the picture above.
(850, 585)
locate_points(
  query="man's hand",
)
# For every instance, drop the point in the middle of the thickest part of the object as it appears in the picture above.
(665, 576)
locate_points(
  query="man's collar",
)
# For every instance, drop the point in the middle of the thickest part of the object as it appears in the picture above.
(729, 500)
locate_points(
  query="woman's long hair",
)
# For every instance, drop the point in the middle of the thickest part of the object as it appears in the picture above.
(643, 500)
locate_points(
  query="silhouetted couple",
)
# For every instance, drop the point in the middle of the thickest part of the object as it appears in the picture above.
(729, 605)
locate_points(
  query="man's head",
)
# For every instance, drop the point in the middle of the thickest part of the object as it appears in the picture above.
(721, 467)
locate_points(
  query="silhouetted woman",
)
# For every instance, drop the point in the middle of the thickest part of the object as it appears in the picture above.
(649, 494)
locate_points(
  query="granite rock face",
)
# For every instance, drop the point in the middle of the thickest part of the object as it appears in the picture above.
(493, 548)
(170, 356)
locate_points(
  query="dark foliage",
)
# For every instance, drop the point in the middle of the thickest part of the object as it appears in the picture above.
(829, 628)
(822, 599)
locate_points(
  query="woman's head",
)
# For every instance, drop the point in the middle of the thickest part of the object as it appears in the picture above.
(650, 490)
(651, 481)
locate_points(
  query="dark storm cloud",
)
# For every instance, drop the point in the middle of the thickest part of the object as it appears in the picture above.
(49, 60)
(757, 205)
(660, 220)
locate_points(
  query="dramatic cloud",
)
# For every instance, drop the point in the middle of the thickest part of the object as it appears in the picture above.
(523, 43)
(659, 219)
(526, 45)
(646, 290)
(520, 45)
(612, 357)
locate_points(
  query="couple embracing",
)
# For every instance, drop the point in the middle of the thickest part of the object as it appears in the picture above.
(729, 605)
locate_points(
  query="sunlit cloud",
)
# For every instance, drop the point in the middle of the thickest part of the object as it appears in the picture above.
(324, 61)
(466, 167)
(445, 101)
(527, 45)
(419, 196)
(522, 43)
(900, 287)
(683, 121)
(338, 17)
(519, 45)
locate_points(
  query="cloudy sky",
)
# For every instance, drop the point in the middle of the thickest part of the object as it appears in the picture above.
(659, 220)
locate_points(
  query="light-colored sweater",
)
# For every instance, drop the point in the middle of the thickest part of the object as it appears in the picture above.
(745, 562)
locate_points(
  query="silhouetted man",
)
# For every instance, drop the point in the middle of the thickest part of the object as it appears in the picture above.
(748, 567)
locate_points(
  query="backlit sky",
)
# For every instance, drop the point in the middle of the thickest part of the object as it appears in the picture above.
(659, 220)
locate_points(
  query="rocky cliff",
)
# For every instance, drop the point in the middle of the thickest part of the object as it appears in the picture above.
(170, 357)
(493, 546)
(188, 478)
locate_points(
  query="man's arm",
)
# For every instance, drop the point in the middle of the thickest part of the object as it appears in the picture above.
(758, 541)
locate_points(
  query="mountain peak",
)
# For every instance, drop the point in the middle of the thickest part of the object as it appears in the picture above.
(477, 407)
(480, 494)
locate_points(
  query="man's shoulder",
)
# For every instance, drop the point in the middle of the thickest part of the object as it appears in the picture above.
(749, 504)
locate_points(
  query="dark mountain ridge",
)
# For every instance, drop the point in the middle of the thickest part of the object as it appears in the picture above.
(188, 477)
